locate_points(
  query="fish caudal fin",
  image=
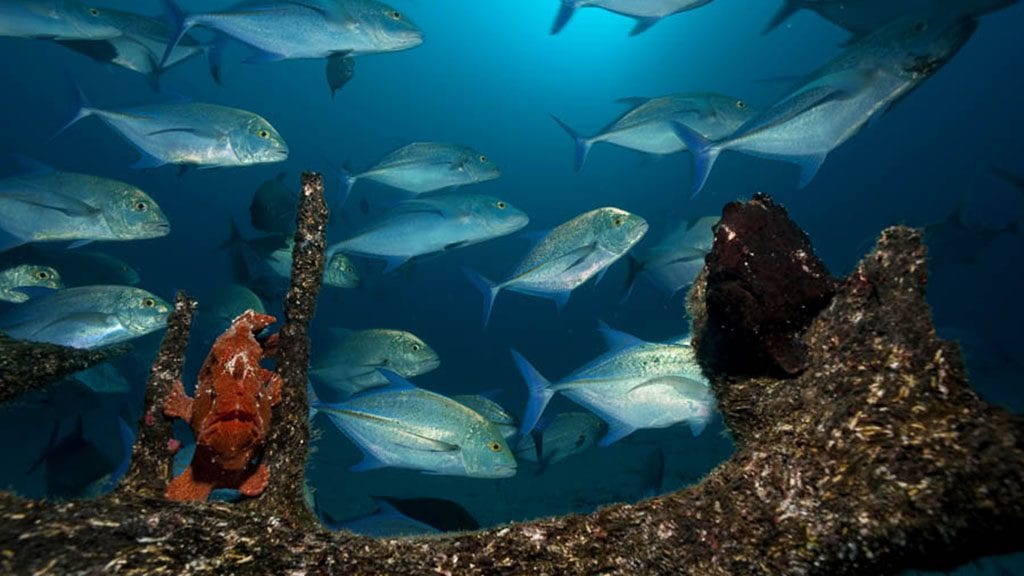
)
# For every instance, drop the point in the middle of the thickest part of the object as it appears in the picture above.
(80, 107)
(703, 151)
(348, 180)
(582, 143)
(540, 393)
(565, 12)
(789, 7)
(487, 288)
(179, 24)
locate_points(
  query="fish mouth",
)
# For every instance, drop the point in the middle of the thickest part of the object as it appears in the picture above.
(159, 228)
(505, 470)
(235, 416)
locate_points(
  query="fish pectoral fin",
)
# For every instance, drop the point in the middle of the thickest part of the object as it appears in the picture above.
(414, 441)
(644, 24)
(182, 130)
(60, 202)
(455, 245)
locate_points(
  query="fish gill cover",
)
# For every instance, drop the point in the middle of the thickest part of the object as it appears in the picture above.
(896, 112)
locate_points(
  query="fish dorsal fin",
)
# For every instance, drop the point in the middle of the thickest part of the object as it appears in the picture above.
(834, 87)
(617, 340)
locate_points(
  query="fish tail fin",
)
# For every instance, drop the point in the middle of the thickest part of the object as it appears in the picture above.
(487, 288)
(179, 24)
(215, 57)
(312, 400)
(565, 12)
(80, 107)
(703, 151)
(582, 143)
(348, 180)
(789, 7)
(539, 390)
(635, 267)
(235, 237)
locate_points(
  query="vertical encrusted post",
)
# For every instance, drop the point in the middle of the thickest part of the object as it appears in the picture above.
(288, 444)
(151, 459)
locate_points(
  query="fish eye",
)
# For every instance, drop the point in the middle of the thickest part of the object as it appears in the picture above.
(42, 274)
(263, 134)
(483, 158)
(501, 205)
(394, 15)
(415, 347)
(741, 104)
(920, 27)
(94, 11)
(148, 302)
(141, 206)
(494, 446)
(617, 221)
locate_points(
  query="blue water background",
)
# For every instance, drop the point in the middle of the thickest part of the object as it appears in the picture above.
(489, 75)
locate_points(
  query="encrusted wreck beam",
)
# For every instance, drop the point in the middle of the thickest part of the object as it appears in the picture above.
(28, 366)
(289, 434)
(151, 457)
(874, 457)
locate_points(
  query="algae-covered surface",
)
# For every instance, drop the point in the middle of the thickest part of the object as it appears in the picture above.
(861, 449)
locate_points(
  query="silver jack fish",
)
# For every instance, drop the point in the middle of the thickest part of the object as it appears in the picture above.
(426, 166)
(568, 256)
(647, 126)
(191, 133)
(635, 385)
(646, 12)
(87, 316)
(407, 427)
(565, 435)
(354, 360)
(862, 17)
(834, 103)
(674, 262)
(437, 224)
(54, 206)
(55, 19)
(27, 276)
(333, 29)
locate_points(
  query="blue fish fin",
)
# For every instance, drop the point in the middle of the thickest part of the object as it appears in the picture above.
(312, 400)
(787, 10)
(147, 161)
(617, 430)
(395, 382)
(633, 101)
(582, 144)
(697, 425)
(632, 276)
(487, 288)
(615, 339)
(79, 244)
(540, 393)
(36, 291)
(348, 180)
(393, 263)
(600, 275)
(369, 462)
(80, 107)
(215, 58)
(809, 166)
(30, 165)
(565, 12)
(644, 24)
(703, 151)
(560, 299)
(179, 23)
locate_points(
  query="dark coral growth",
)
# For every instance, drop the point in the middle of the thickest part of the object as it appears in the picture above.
(764, 286)
(876, 458)
(28, 366)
